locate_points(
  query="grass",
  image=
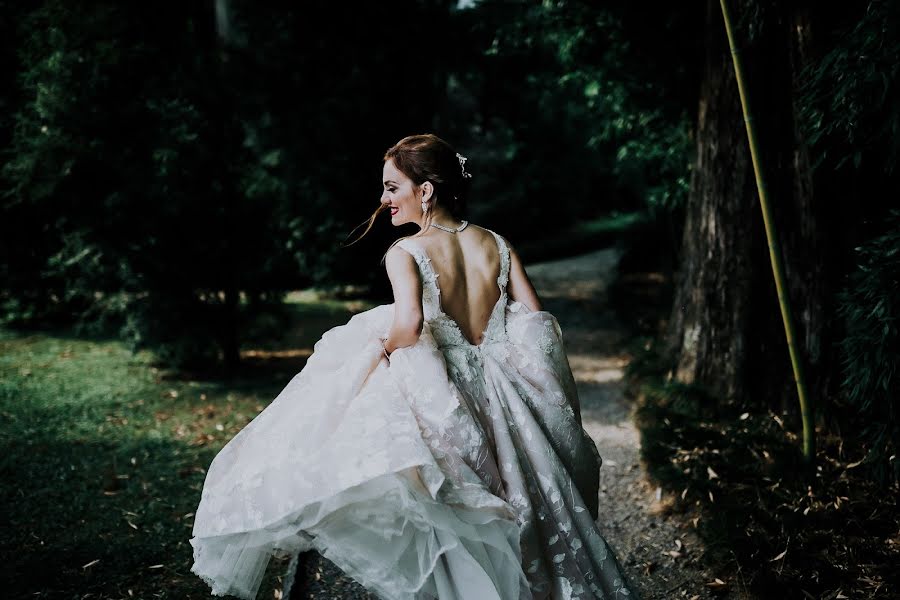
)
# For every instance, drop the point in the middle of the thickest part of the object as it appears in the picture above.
(103, 456)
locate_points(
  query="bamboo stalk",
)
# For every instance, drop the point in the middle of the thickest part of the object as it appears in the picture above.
(806, 411)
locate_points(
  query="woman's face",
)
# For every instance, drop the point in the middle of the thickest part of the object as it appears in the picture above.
(401, 195)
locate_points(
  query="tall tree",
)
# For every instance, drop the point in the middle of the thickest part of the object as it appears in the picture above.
(725, 333)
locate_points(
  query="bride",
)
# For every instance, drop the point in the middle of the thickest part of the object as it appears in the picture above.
(432, 448)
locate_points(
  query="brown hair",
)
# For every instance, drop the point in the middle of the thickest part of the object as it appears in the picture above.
(427, 157)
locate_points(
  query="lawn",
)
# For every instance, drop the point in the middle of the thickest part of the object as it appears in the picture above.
(104, 455)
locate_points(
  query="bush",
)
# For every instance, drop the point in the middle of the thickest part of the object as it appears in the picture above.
(870, 306)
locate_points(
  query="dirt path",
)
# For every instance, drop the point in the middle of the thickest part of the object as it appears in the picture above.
(661, 554)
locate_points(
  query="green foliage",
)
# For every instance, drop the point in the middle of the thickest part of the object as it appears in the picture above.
(157, 172)
(848, 101)
(573, 117)
(870, 307)
(120, 183)
(156, 168)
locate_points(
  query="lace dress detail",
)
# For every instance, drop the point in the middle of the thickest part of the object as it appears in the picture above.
(456, 471)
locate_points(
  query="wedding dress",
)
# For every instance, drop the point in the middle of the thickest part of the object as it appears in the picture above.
(454, 471)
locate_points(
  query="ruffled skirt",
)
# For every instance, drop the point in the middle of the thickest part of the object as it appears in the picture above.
(418, 481)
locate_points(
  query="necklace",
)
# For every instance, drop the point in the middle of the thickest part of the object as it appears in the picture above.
(451, 229)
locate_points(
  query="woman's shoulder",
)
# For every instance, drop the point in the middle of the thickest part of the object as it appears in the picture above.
(489, 237)
(485, 234)
(402, 247)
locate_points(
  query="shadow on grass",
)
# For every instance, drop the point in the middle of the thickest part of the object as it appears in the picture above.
(103, 457)
(111, 519)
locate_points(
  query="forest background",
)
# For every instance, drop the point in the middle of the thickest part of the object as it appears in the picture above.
(173, 172)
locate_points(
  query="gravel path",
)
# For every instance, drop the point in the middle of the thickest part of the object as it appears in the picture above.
(660, 553)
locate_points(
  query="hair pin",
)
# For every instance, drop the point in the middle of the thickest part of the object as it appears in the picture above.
(462, 164)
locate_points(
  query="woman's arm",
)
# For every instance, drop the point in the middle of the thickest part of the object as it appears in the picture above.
(408, 317)
(520, 288)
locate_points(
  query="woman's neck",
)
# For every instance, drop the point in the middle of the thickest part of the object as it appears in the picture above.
(442, 216)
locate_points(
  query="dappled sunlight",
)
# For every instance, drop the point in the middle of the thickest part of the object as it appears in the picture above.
(597, 369)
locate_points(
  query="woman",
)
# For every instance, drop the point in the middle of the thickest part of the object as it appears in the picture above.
(432, 448)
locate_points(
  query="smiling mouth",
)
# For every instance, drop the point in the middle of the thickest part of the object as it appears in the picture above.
(394, 210)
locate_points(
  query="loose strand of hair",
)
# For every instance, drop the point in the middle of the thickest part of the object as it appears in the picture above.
(371, 223)
(426, 223)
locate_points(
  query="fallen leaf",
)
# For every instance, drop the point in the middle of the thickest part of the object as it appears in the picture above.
(717, 584)
(90, 564)
(712, 474)
(744, 416)
(779, 557)
(155, 566)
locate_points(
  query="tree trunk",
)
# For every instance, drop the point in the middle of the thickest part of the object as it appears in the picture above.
(725, 333)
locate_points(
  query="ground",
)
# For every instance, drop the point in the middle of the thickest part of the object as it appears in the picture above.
(662, 554)
(103, 454)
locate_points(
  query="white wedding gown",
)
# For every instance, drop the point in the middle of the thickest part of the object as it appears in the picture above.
(454, 471)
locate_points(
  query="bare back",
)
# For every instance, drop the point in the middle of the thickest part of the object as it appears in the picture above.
(467, 264)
